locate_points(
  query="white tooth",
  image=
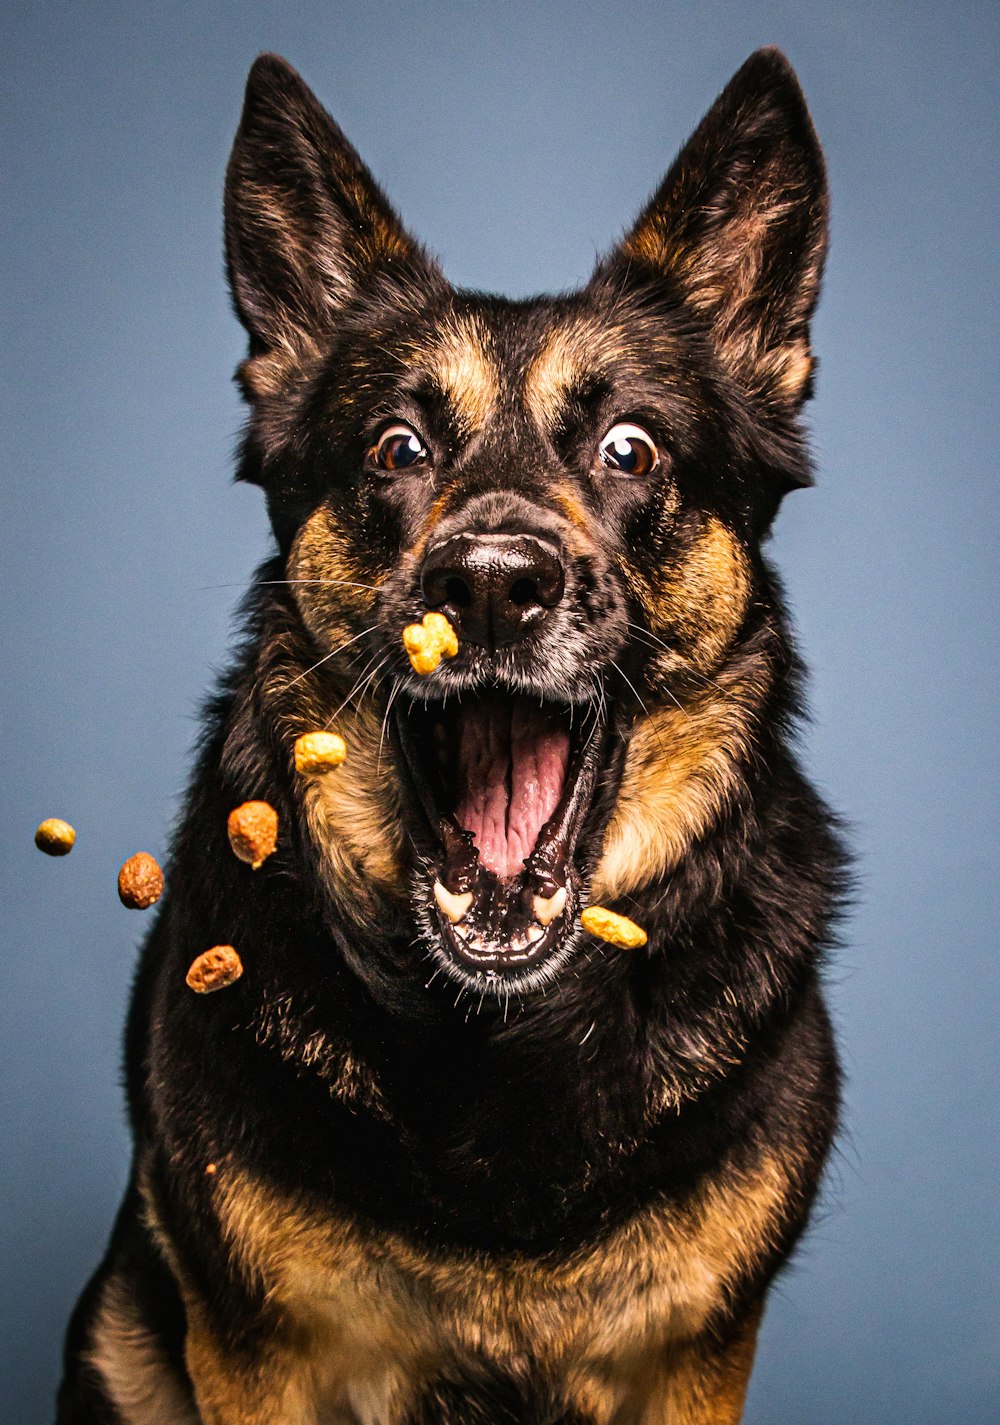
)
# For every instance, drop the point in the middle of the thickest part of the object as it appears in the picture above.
(546, 910)
(535, 932)
(453, 906)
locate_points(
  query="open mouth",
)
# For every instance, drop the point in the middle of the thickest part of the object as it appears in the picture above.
(505, 784)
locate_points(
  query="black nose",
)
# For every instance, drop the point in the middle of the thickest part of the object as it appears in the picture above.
(494, 588)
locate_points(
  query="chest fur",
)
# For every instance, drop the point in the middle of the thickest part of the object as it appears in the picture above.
(371, 1318)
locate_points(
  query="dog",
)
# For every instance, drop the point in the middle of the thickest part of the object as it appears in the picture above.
(440, 1155)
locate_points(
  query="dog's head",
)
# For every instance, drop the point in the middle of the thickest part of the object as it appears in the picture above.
(580, 484)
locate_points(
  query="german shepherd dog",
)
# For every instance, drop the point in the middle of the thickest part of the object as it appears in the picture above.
(440, 1157)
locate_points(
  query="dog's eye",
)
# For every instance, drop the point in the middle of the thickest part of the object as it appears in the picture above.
(398, 448)
(630, 449)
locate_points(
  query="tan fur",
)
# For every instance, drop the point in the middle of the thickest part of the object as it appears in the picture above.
(572, 352)
(362, 1319)
(430, 524)
(561, 362)
(265, 1390)
(708, 1383)
(792, 367)
(354, 814)
(687, 1383)
(701, 600)
(461, 364)
(131, 1363)
(681, 768)
(569, 503)
(327, 581)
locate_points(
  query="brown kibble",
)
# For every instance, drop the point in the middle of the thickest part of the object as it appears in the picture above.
(55, 837)
(428, 641)
(253, 832)
(140, 882)
(214, 969)
(615, 929)
(317, 752)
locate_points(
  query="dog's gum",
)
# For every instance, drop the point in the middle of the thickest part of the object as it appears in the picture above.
(614, 928)
(55, 837)
(318, 752)
(214, 969)
(428, 641)
(253, 832)
(140, 882)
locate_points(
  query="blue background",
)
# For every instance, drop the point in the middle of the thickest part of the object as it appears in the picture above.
(517, 140)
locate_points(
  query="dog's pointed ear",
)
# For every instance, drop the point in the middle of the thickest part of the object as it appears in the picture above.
(738, 228)
(306, 224)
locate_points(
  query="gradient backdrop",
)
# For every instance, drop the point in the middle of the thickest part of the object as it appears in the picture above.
(517, 140)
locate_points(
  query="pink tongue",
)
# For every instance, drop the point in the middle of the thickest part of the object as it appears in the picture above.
(511, 770)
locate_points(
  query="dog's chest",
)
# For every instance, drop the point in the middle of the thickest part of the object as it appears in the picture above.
(378, 1329)
(374, 1319)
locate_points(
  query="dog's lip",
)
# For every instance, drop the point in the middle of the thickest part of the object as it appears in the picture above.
(502, 926)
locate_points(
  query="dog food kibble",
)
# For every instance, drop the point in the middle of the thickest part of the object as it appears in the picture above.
(428, 641)
(253, 832)
(317, 752)
(214, 969)
(140, 882)
(55, 837)
(615, 929)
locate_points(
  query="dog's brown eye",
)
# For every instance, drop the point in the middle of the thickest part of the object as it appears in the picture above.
(398, 448)
(630, 449)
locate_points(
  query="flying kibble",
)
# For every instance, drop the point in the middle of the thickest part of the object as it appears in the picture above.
(140, 882)
(317, 752)
(253, 832)
(428, 641)
(214, 969)
(55, 837)
(615, 929)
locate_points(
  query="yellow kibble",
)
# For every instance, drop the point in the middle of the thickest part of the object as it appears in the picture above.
(428, 641)
(55, 837)
(253, 832)
(317, 752)
(214, 969)
(140, 882)
(615, 929)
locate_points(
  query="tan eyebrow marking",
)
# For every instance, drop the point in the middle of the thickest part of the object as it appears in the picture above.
(465, 370)
(562, 361)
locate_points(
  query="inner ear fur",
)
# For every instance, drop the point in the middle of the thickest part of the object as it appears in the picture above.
(739, 227)
(306, 224)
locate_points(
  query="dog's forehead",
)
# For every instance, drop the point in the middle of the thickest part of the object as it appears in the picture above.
(494, 358)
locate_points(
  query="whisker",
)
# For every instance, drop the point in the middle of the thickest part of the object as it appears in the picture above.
(385, 723)
(364, 679)
(694, 673)
(327, 656)
(264, 583)
(658, 734)
(688, 672)
(628, 680)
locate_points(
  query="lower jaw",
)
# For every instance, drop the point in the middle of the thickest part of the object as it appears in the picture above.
(510, 928)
